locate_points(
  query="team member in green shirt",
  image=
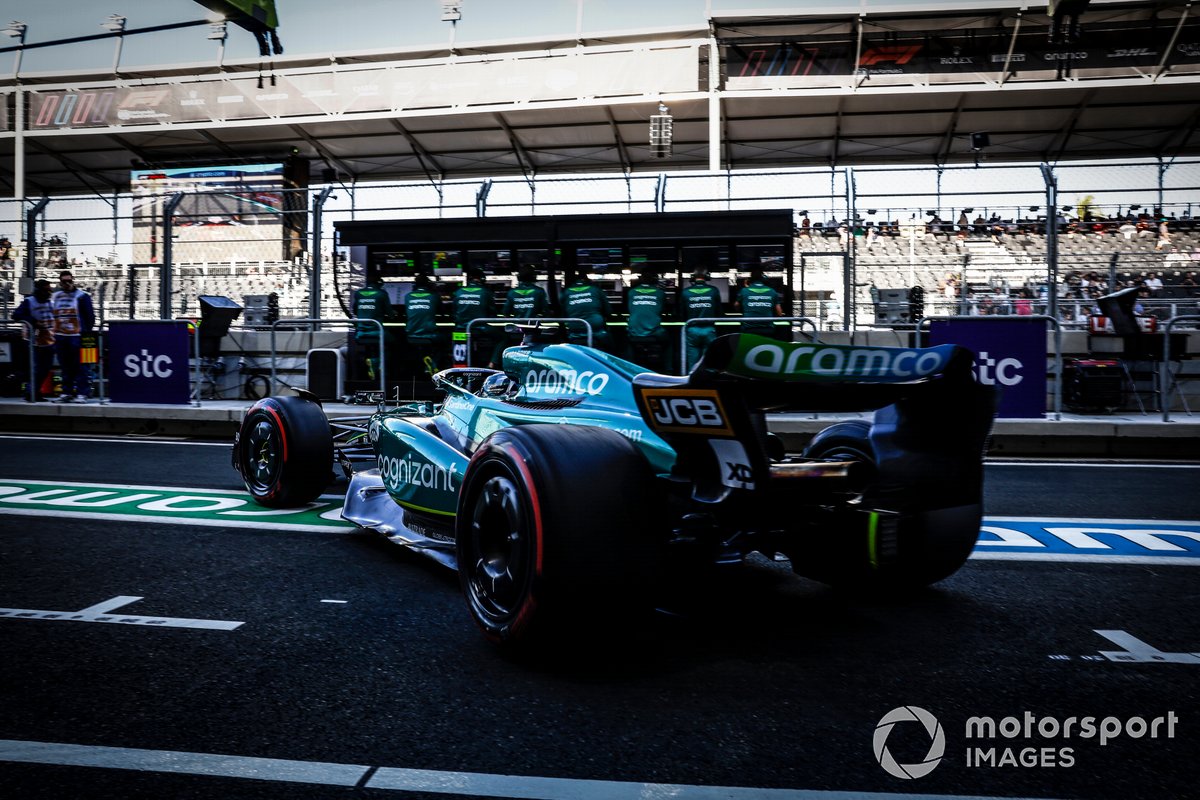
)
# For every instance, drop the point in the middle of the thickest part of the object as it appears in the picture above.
(647, 337)
(372, 302)
(701, 299)
(526, 300)
(473, 300)
(758, 300)
(584, 300)
(421, 310)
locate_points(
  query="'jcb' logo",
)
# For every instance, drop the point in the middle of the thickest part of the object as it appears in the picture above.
(694, 411)
(900, 54)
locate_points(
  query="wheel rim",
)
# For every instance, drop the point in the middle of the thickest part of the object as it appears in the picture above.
(498, 550)
(263, 456)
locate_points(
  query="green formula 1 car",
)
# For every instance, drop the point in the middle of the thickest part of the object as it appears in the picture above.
(564, 487)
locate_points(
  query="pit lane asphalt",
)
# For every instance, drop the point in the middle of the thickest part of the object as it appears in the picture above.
(774, 682)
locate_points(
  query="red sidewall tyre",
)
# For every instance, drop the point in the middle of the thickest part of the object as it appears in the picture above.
(285, 451)
(556, 533)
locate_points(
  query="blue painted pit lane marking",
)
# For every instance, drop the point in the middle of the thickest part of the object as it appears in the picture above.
(395, 779)
(1112, 541)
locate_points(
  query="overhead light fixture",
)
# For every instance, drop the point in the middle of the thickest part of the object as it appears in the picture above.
(16, 30)
(661, 132)
(1034, 208)
(114, 24)
(451, 10)
(968, 211)
(218, 31)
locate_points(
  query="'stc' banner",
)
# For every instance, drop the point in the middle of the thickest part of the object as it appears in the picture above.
(148, 362)
(1010, 354)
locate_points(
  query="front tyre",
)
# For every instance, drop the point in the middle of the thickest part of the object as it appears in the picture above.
(554, 533)
(284, 451)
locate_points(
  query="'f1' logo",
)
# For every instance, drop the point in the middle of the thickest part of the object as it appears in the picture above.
(900, 54)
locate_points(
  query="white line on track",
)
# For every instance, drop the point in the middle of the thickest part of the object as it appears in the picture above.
(102, 612)
(159, 440)
(1094, 464)
(406, 780)
(1085, 558)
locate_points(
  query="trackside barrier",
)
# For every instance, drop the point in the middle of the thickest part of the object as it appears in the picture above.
(738, 321)
(1058, 365)
(510, 320)
(1164, 369)
(102, 333)
(29, 338)
(343, 323)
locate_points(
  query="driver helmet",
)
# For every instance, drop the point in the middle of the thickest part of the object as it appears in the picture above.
(499, 385)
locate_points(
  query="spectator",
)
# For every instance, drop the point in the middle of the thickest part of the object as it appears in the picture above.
(1023, 305)
(1127, 229)
(805, 225)
(1139, 306)
(758, 300)
(701, 299)
(1164, 235)
(1153, 283)
(843, 234)
(73, 317)
(37, 310)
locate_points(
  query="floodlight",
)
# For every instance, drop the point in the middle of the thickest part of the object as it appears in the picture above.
(661, 132)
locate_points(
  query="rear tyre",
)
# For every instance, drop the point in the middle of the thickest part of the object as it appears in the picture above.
(284, 451)
(905, 550)
(554, 534)
(849, 441)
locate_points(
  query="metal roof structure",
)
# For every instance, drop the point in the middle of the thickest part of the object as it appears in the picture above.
(829, 88)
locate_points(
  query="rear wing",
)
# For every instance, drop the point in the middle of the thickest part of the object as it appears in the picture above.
(810, 376)
(925, 400)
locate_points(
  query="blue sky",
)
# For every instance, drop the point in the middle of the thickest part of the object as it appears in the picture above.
(321, 26)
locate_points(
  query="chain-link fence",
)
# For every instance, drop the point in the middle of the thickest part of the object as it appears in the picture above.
(973, 239)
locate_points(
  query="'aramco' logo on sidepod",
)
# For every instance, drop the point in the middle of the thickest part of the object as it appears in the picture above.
(937, 746)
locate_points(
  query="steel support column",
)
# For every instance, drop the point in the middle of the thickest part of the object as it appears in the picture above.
(314, 278)
(168, 261)
(1051, 239)
(31, 218)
